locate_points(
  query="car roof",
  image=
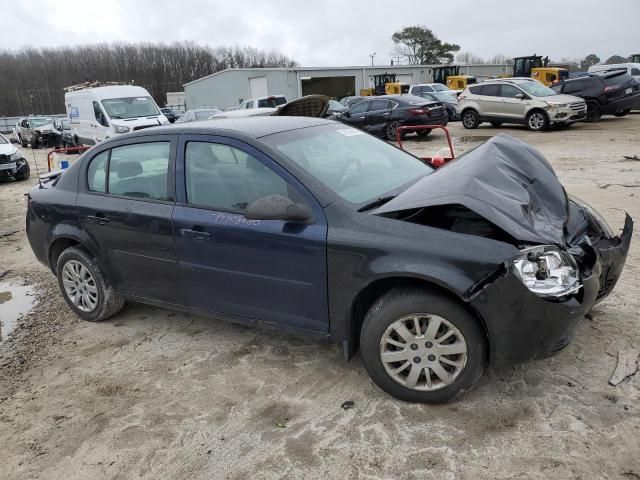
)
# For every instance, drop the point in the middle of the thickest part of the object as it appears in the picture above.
(253, 126)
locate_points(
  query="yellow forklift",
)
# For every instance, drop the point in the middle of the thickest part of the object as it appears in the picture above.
(460, 82)
(385, 84)
(535, 66)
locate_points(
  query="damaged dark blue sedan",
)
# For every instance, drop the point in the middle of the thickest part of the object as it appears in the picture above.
(318, 227)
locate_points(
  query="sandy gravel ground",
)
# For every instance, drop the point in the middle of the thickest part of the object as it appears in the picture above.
(157, 394)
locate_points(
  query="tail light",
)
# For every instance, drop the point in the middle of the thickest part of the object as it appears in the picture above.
(608, 88)
(419, 111)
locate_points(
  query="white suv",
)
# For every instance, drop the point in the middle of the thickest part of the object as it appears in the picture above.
(518, 101)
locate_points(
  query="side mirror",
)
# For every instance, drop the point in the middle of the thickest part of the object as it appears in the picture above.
(14, 140)
(520, 96)
(278, 207)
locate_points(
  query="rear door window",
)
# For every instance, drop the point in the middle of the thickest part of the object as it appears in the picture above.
(491, 90)
(97, 173)
(573, 87)
(140, 170)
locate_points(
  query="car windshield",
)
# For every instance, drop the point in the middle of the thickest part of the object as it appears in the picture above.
(356, 166)
(205, 114)
(130, 107)
(438, 87)
(3, 140)
(536, 89)
(66, 125)
(38, 122)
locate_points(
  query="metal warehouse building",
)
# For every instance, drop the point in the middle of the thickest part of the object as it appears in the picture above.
(230, 87)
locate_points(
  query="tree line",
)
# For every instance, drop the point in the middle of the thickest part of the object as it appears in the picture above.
(33, 79)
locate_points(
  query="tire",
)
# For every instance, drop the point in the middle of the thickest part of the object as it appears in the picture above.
(593, 113)
(390, 130)
(23, 143)
(24, 173)
(104, 301)
(423, 133)
(470, 119)
(622, 113)
(537, 120)
(496, 124)
(402, 305)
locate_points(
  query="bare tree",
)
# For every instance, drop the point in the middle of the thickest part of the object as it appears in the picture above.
(33, 79)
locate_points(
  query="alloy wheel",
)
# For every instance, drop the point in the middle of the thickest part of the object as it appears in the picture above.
(536, 121)
(469, 120)
(423, 352)
(392, 129)
(80, 286)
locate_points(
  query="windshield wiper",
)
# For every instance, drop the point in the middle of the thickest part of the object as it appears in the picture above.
(376, 203)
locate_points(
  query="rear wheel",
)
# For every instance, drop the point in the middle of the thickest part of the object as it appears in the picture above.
(470, 119)
(593, 112)
(23, 142)
(496, 124)
(537, 120)
(392, 128)
(84, 287)
(421, 346)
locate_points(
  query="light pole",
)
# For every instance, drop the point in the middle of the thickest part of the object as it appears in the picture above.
(372, 55)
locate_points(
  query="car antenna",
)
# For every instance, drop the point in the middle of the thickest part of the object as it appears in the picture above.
(35, 161)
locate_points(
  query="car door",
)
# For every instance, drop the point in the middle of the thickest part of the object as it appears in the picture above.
(356, 116)
(125, 202)
(378, 115)
(100, 125)
(491, 101)
(269, 270)
(512, 107)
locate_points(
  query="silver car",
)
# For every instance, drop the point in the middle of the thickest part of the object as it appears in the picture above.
(519, 101)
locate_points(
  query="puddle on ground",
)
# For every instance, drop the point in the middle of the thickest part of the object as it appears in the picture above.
(15, 300)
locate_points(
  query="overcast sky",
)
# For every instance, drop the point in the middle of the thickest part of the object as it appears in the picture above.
(334, 32)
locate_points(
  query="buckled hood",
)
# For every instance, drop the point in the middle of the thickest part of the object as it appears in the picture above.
(505, 181)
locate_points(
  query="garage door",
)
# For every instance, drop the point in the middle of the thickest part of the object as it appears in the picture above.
(258, 87)
(405, 78)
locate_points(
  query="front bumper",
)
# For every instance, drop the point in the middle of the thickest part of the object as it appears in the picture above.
(12, 167)
(566, 115)
(522, 326)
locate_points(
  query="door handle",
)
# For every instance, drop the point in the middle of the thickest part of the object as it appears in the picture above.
(196, 234)
(99, 218)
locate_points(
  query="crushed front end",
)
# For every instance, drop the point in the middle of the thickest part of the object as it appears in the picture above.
(532, 305)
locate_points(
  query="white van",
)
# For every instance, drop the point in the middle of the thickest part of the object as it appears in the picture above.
(633, 69)
(98, 113)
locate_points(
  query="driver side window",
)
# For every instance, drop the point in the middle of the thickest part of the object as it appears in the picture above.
(360, 107)
(226, 178)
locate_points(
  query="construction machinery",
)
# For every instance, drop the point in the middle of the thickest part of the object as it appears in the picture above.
(441, 74)
(385, 84)
(537, 67)
(460, 82)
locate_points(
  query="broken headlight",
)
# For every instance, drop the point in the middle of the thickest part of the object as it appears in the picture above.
(547, 271)
(594, 214)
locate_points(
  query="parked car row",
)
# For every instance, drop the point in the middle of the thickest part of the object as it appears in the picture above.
(527, 102)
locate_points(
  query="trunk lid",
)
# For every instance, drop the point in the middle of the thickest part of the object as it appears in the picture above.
(505, 181)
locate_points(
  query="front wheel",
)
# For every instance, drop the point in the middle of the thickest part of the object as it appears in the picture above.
(593, 112)
(85, 288)
(622, 113)
(537, 120)
(470, 119)
(421, 346)
(23, 173)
